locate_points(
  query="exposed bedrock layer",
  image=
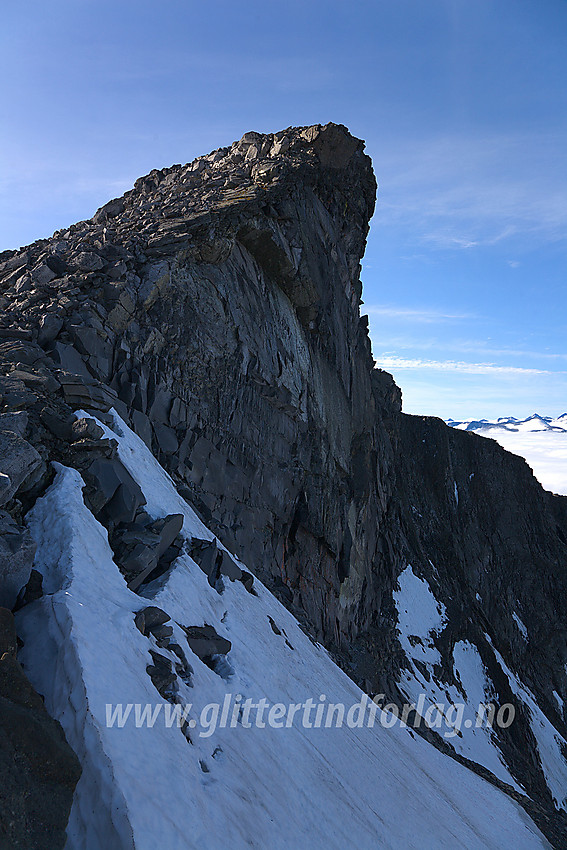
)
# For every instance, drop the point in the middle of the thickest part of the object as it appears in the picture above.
(216, 307)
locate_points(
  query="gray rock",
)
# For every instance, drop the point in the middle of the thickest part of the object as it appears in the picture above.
(86, 429)
(88, 261)
(59, 426)
(207, 556)
(16, 422)
(42, 274)
(140, 563)
(15, 394)
(113, 488)
(247, 580)
(17, 550)
(142, 426)
(45, 384)
(19, 461)
(144, 558)
(71, 361)
(161, 674)
(124, 504)
(166, 437)
(229, 568)
(172, 526)
(205, 642)
(56, 263)
(109, 210)
(162, 634)
(149, 618)
(49, 328)
(92, 345)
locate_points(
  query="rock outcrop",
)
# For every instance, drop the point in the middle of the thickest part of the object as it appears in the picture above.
(216, 308)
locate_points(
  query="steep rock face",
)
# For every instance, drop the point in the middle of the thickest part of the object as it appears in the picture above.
(220, 302)
(216, 307)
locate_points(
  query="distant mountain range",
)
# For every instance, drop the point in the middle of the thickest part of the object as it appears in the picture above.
(531, 424)
(541, 440)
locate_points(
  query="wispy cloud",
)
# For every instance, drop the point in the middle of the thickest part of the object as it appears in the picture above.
(389, 344)
(462, 192)
(389, 362)
(415, 314)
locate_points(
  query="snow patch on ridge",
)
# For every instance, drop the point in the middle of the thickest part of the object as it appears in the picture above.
(420, 619)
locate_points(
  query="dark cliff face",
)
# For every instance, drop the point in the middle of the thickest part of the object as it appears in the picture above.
(490, 542)
(222, 305)
(216, 307)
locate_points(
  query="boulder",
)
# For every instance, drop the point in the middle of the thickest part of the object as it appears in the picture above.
(86, 429)
(162, 634)
(124, 504)
(71, 361)
(205, 642)
(247, 580)
(141, 562)
(42, 274)
(150, 618)
(112, 487)
(147, 555)
(206, 554)
(49, 327)
(109, 210)
(228, 567)
(172, 525)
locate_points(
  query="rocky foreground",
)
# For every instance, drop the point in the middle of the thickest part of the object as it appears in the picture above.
(215, 308)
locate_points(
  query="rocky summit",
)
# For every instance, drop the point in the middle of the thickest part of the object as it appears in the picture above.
(214, 310)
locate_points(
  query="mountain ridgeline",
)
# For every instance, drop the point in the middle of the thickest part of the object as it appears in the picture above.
(216, 308)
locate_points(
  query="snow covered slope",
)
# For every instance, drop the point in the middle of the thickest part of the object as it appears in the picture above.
(541, 440)
(207, 785)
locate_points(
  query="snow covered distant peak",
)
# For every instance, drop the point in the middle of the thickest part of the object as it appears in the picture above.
(535, 422)
(540, 440)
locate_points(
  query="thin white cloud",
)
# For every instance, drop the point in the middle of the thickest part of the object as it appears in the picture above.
(415, 315)
(390, 362)
(390, 344)
(463, 192)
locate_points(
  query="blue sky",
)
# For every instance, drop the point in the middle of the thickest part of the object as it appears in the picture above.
(463, 106)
